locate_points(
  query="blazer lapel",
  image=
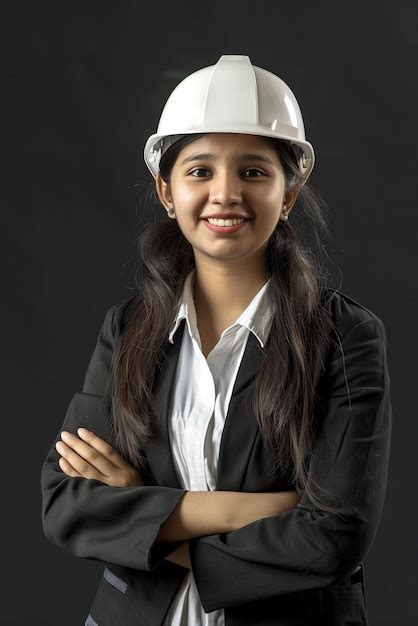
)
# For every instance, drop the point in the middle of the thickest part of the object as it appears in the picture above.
(158, 449)
(240, 428)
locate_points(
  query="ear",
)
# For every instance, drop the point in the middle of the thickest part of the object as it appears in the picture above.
(291, 198)
(163, 191)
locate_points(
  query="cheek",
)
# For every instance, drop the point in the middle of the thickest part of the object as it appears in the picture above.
(273, 194)
(188, 196)
(268, 211)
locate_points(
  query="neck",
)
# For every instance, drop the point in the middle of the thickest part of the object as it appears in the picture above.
(222, 293)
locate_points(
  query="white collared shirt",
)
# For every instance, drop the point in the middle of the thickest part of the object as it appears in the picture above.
(201, 393)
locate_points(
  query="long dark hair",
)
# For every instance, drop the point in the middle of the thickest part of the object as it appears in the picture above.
(285, 390)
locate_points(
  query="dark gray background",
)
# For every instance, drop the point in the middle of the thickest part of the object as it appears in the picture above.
(83, 86)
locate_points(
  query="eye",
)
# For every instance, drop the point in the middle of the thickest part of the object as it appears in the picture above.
(199, 169)
(252, 169)
(204, 169)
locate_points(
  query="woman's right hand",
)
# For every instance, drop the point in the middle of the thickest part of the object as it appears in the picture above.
(89, 456)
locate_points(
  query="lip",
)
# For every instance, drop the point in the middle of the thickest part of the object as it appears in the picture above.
(226, 216)
(225, 229)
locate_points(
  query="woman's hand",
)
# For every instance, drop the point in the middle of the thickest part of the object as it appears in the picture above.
(181, 556)
(89, 456)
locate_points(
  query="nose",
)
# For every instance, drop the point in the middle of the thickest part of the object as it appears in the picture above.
(226, 189)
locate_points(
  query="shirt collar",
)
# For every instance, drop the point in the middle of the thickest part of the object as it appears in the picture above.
(257, 317)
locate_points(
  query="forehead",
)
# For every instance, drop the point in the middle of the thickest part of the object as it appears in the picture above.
(234, 142)
(230, 146)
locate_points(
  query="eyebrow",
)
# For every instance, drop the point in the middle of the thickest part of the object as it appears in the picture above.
(242, 157)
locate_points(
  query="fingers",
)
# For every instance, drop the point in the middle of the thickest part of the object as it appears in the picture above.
(94, 458)
(67, 468)
(75, 465)
(103, 447)
(89, 456)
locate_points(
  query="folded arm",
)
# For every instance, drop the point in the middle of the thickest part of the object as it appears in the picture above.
(134, 526)
(306, 548)
(202, 513)
(90, 519)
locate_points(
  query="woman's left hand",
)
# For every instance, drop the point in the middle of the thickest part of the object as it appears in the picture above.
(89, 456)
(181, 555)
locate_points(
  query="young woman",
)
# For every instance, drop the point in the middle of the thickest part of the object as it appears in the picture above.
(235, 415)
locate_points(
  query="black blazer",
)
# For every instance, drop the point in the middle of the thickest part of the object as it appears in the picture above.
(290, 569)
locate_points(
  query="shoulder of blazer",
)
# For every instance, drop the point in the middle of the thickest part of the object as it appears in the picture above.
(345, 312)
(118, 314)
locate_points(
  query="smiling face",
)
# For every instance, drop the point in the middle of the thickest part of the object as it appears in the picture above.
(227, 180)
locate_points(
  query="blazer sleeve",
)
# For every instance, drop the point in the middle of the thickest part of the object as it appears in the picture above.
(306, 548)
(88, 518)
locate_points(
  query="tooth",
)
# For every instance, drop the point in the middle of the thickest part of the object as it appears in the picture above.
(227, 222)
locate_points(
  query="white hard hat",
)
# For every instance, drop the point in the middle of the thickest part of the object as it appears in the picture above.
(232, 96)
